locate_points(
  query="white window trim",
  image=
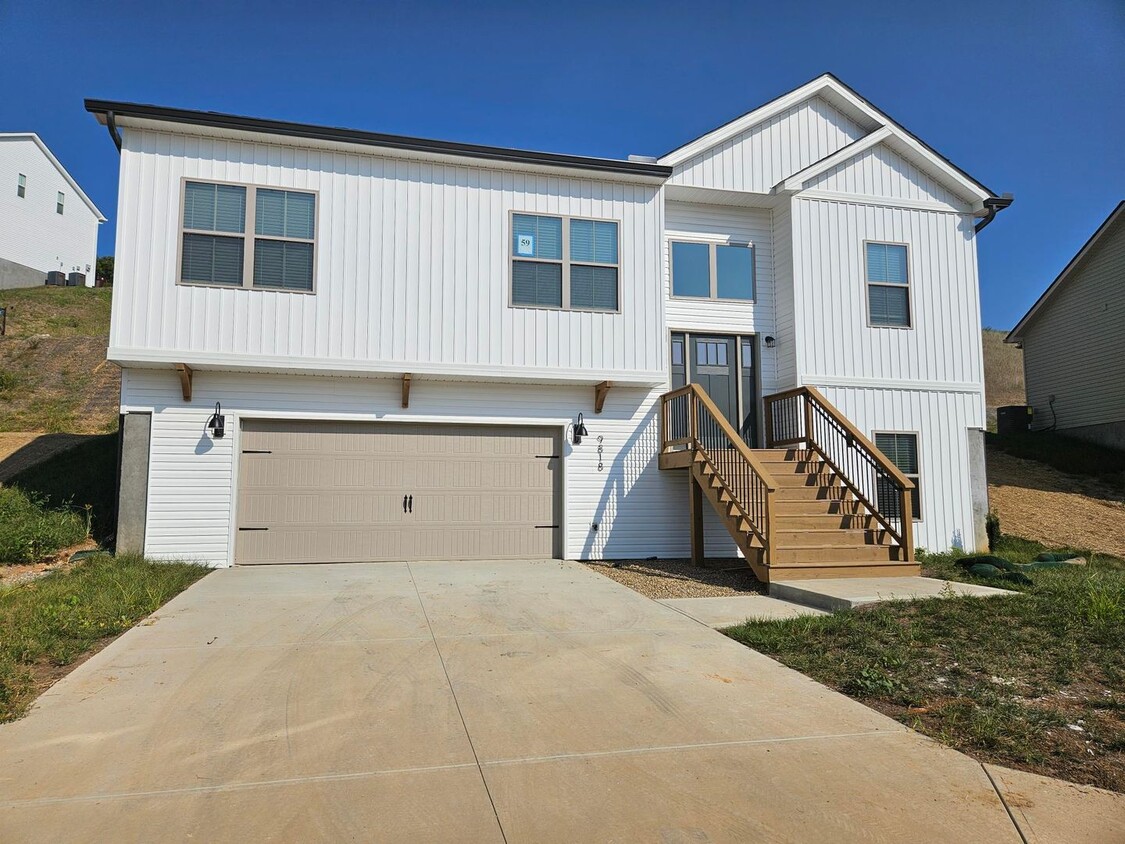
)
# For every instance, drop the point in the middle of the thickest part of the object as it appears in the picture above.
(908, 287)
(916, 476)
(21, 186)
(60, 202)
(248, 236)
(713, 263)
(564, 262)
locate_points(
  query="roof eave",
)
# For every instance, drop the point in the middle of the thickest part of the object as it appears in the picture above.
(234, 122)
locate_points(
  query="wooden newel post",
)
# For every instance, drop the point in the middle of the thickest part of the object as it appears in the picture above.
(769, 424)
(907, 509)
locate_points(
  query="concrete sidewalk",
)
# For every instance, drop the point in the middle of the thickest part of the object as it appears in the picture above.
(517, 702)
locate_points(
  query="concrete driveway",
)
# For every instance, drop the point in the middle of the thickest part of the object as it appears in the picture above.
(512, 701)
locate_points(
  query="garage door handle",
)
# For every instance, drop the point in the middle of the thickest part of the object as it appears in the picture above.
(408, 504)
(404, 503)
(411, 502)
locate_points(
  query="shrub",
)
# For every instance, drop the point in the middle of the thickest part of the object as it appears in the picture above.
(29, 530)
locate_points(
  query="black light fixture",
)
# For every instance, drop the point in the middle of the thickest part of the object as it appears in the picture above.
(217, 423)
(770, 342)
(579, 431)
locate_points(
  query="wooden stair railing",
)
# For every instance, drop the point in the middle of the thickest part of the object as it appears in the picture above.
(803, 415)
(693, 428)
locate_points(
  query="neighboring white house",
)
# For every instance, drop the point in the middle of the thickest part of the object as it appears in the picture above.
(47, 223)
(1073, 342)
(401, 336)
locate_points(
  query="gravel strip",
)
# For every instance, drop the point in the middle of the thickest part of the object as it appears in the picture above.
(680, 578)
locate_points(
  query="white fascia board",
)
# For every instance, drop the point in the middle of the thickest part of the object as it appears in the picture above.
(62, 170)
(796, 182)
(218, 362)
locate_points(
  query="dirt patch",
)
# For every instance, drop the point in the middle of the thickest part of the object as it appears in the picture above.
(681, 579)
(12, 575)
(1038, 502)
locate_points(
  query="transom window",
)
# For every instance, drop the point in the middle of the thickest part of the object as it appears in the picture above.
(888, 285)
(59, 202)
(218, 250)
(21, 186)
(565, 262)
(713, 270)
(902, 450)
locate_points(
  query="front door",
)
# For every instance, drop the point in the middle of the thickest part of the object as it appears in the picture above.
(724, 366)
(714, 368)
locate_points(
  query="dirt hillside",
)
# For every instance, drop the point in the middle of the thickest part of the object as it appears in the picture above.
(53, 373)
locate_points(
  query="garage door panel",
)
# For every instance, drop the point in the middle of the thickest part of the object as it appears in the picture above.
(333, 491)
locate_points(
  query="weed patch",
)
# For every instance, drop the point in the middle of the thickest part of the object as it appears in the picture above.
(1034, 681)
(52, 622)
(30, 530)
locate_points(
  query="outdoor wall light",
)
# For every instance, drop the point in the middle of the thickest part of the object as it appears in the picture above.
(770, 342)
(217, 423)
(579, 431)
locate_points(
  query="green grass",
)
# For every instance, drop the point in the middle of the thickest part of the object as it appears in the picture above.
(83, 477)
(58, 311)
(1003, 679)
(30, 530)
(1075, 457)
(51, 622)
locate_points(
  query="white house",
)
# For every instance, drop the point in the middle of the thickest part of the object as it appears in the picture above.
(47, 223)
(420, 349)
(1073, 342)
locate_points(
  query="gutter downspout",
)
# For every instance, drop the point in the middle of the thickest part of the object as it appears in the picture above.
(993, 206)
(111, 125)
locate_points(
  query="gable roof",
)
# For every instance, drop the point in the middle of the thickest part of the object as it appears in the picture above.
(58, 166)
(1014, 336)
(107, 111)
(836, 93)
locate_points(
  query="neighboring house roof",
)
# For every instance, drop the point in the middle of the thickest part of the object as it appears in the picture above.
(58, 166)
(877, 122)
(105, 110)
(1016, 334)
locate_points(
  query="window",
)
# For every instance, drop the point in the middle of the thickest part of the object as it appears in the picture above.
(59, 202)
(564, 262)
(21, 186)
(713, 270)
(902, 450)
(888, 285)
(216, 249)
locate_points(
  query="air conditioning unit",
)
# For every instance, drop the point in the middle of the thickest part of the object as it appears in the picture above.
(56, 278)
(76, 280)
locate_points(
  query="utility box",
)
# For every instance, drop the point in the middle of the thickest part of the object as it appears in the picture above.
(1013, 419)
(76, 280)
(56, 278)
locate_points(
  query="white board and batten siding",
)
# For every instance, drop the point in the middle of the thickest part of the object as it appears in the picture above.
(640, 510)
(413, 260)
(723, 224)
(757, 159)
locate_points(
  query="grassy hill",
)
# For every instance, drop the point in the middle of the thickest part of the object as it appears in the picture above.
(53, 372)
(1003, 373)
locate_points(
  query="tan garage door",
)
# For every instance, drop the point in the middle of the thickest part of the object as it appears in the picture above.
(313, 492)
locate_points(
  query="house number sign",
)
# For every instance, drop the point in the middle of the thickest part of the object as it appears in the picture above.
(525, 244)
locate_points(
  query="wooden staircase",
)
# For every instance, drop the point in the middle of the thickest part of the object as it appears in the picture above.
(793, 511)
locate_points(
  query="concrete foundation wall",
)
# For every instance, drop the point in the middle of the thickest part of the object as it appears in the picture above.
(13, 275)
(132, 497)
(978, 483)
(1109, 434)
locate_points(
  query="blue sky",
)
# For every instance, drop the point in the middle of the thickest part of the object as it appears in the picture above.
(1028, 97)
